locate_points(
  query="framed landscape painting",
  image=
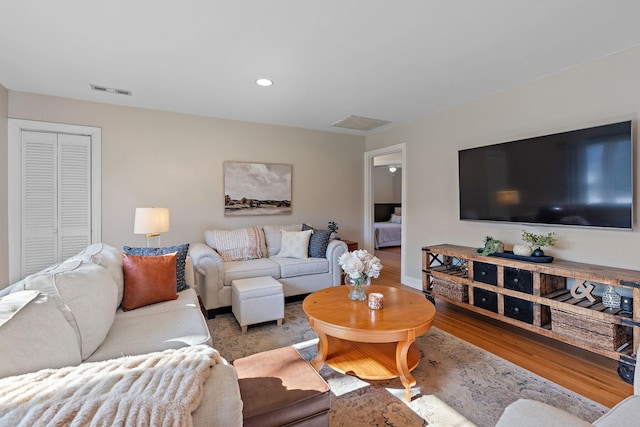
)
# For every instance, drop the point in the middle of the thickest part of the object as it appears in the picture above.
(257, 189)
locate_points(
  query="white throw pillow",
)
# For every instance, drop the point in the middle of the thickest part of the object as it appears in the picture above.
(295, 244)
(85, 293)
(34, 335)
(273, 236)
(396, 219)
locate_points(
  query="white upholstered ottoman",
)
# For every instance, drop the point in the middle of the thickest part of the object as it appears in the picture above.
(257, 300)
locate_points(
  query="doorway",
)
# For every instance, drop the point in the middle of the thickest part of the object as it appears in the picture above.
(396, 155)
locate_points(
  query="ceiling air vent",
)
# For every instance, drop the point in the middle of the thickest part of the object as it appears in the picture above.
(360, 123)
(110, 90)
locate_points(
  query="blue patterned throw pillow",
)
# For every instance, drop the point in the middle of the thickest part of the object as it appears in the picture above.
(181, 259)
(318, 242)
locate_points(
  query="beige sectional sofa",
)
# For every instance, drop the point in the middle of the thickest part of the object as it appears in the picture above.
(530, 413)
(228, 255)
(69, 315)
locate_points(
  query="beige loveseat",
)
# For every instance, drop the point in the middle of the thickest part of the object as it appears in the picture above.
(69, 315)
(258, 251)
(530, 413)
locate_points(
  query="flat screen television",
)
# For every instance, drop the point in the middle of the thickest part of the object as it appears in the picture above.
(577, 178)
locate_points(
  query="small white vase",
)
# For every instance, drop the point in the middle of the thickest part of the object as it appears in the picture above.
(522, 250)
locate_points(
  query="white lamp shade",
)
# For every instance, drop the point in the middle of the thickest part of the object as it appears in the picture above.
(151, 221)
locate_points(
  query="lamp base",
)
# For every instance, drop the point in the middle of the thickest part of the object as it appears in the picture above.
(153, 240)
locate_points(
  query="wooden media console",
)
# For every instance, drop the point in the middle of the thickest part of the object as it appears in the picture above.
(536, 297)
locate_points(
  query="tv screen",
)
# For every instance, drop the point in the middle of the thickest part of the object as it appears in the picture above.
(582, 177)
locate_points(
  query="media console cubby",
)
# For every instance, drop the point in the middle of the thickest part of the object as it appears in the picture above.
(536, 297)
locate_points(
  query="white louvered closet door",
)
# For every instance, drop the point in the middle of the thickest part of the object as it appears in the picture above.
(56, 197)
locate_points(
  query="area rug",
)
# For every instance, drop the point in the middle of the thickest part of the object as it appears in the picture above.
(457, 383)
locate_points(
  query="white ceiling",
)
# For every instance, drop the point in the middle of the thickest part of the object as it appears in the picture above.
(389, 60)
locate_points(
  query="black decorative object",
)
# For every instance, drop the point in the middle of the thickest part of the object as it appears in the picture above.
(537, 253)
(626, 304)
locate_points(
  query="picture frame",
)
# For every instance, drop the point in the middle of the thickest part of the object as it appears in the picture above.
(257, 188)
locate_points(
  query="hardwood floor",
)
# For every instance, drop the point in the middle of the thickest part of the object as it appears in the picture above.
(588, 374)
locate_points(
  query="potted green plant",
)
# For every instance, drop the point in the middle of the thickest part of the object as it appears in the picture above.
(492, 245)
(538, 241)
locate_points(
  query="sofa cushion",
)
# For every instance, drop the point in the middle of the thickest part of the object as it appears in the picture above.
(108, 257)
(292, 267)
(181, 258)
(34, 335)
(295, 244)
(255, 268)
(157, 327)
(318, 242)
(86, 295)
(273, 236)
(624, 412)
(236, 245)
(148, 280)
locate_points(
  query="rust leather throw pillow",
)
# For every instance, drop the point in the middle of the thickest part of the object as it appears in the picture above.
(148, 280)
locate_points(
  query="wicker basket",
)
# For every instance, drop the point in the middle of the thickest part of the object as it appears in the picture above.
(450, 289)
(594, 332)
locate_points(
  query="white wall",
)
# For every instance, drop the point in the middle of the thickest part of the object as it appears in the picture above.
(387, 187)
(598, 92)
(4, 233)
(155, 158)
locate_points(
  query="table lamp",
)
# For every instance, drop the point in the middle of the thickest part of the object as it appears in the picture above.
(151, 222)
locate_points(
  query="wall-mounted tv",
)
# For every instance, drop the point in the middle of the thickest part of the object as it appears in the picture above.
(581, 178)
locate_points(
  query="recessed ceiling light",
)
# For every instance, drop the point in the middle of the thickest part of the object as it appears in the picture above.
(264, 82)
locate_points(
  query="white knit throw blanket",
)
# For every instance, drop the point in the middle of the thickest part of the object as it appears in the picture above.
(156, 389)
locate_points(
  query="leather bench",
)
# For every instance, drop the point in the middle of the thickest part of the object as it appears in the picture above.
(280, 388)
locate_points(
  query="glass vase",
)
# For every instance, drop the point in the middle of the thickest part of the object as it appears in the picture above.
(357, 287)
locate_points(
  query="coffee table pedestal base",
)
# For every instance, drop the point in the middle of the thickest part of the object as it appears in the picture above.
(372, 361)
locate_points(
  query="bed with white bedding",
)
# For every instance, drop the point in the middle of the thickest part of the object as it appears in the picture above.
(387, 228)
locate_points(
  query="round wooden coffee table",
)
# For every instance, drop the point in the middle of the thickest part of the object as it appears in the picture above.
(370, 344)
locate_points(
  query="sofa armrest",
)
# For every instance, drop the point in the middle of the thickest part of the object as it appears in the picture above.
(209, 273)
(334, 250)
(221, 403)
(189, 278)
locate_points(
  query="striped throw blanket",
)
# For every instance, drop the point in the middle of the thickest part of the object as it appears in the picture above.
(156, 389)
